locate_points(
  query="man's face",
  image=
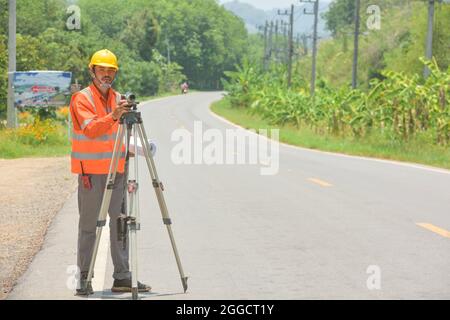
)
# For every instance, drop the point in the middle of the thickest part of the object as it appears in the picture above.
(105, 74)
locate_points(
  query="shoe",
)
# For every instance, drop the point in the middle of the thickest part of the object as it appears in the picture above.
(85, 288)
(125, 286)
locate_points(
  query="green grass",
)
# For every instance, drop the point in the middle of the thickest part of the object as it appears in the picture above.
(376, 146)
(12, 147)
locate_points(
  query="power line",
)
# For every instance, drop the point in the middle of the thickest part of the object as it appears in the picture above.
(299, 14)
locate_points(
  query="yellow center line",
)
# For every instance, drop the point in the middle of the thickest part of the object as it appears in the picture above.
(439, 231)
(320, 182)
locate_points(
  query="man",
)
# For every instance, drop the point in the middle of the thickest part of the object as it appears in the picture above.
(95, 112)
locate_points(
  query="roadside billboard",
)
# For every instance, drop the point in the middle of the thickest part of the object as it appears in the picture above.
(41, 88)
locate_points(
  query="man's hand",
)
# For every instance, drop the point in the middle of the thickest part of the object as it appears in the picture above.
(122, 108)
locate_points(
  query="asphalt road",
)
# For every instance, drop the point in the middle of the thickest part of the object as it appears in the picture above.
(326, 226)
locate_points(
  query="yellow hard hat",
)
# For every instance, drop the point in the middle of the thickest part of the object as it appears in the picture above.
(104, 58)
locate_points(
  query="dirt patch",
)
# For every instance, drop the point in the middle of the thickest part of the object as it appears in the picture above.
(32, 191)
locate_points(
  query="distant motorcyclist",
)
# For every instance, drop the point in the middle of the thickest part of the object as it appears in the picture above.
(184, 88)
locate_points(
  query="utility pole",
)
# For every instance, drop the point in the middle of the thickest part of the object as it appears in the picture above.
(429, 44)
(270, 42)
(356, 46)
(11, 110)
(291, 45)
(265, 46)
(261, 29)
(305, 43)
(276, 41)
(314, 59)
(284, 42)
(290, 41)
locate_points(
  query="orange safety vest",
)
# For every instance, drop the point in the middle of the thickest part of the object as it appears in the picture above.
(94, 132)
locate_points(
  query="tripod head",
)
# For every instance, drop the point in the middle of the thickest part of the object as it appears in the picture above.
(130, 118)
(131, 100)
(133, 116)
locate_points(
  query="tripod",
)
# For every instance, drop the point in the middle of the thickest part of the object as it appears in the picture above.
(131, 122)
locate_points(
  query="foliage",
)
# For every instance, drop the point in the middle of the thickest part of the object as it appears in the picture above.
(339, 15)
(396, 46)
(400, 106)
(204, 40)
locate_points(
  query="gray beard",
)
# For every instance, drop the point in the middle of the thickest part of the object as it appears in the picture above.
(105, 85)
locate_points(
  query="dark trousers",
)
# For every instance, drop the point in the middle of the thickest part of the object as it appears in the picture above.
(89, 203)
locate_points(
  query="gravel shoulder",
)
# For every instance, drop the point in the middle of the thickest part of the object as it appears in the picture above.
(32, 191)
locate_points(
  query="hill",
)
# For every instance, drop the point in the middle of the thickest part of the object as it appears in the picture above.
(254, 17)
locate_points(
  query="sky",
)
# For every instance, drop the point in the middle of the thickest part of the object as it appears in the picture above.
(270, 4)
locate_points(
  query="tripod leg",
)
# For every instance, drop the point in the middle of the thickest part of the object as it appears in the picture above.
(106, 198)
(157, 185)
(132, 228)
(133, 223)
(133, 247)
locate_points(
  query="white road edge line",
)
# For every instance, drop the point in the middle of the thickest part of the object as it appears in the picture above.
(405, 164)
(98, 282)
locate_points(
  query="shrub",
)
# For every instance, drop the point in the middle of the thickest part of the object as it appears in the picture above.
(37, 133)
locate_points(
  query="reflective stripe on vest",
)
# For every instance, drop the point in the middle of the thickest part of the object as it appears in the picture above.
(106, 137)
(85, 123)
(94, 156)
(88, 94)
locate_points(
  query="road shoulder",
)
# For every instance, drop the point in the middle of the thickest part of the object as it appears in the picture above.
(32, 192)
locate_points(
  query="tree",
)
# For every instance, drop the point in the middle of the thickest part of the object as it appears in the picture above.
(204, 38)
(141, 33)
(34, 17)
(339, 15)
